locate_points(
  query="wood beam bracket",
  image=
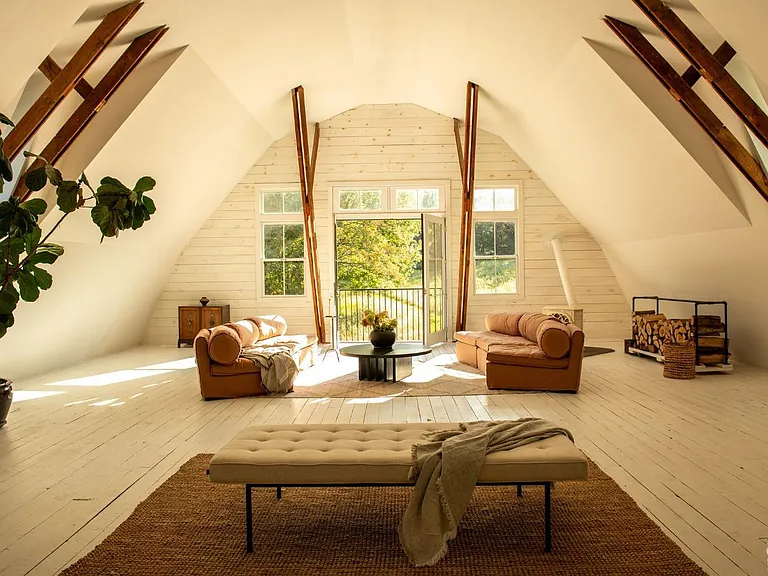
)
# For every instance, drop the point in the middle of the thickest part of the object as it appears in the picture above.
(691, 102)
(307, 166)
(709, 66)
(95, 101)
(65, 81)
(467, 167)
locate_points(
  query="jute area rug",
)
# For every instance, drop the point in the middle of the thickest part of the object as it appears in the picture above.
(189, 526)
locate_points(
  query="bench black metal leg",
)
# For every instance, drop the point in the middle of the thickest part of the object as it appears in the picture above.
(279, 492)
(519, 490)
(248, 519)
(547, 517)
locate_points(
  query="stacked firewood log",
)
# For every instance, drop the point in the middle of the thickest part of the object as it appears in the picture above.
(650, 331)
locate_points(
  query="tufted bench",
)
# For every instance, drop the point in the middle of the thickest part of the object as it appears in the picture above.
(325, 455)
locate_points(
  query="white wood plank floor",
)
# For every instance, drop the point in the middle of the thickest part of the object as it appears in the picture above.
(85, 445)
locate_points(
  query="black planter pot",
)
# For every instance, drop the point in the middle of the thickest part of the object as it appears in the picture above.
(6, 397)
(383, 338)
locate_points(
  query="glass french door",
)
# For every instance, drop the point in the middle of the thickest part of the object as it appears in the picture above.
(433, 247)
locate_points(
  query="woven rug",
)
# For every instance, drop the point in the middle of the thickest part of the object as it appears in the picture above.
(189, 526)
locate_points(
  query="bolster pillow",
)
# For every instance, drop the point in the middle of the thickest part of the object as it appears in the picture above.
(247, 330)
(554, 338)
(270, 326)
(503, 322)
(224, 345)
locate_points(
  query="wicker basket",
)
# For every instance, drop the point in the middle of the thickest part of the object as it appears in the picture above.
(680, 361)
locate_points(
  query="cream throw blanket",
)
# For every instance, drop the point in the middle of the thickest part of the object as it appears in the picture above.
(278, 370)
(446, 468)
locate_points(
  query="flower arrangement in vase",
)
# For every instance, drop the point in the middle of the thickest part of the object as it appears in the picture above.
(382, 327)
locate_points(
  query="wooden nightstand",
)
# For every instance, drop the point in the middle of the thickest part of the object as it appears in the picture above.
(192, 319)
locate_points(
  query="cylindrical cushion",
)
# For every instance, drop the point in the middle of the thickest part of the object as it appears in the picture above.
(224, 345)
(554, 338)
(529, 325)
(270, 326)
(247, 330)
(503, 322)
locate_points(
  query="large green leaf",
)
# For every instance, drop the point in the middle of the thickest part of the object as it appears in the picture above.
(46, 254)
(68, 196)
(111, 186)
(43, 277)
(9, 297)
(149, 205)
(5, 120)
(37, 206)
(28, 288)
(6, 169)
(36, 179)
(6, 321)
(32, 239)
(53, 175)
(144, 184)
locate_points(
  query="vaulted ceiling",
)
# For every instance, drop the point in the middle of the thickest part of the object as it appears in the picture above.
(623, 156)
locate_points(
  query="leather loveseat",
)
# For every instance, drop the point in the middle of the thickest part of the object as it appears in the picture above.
(525, 351)
(224, 374)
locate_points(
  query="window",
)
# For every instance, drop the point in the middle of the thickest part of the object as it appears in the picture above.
(496, 218)
(360, 200)
(283, 259)
(417, 198)
(420, 197)
(281, 202)
(495, 258)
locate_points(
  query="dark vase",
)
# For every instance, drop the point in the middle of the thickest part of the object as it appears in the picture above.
(383, 338)
(6, 397)
(204, 301)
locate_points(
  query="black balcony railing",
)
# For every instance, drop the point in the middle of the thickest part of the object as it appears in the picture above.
(405, 304)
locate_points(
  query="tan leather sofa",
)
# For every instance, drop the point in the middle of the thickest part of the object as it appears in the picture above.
(525, 351)
(224, 374)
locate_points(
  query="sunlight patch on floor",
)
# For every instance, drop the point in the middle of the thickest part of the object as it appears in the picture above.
(109, 378)
(24, 395)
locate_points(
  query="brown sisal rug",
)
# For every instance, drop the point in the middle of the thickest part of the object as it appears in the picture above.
(189, 526)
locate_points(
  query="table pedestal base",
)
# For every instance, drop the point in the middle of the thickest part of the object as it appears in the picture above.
(384, 369)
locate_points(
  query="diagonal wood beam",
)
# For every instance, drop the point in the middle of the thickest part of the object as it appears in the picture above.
(467, 165)
(724, 53)
(64, 82)
(51, 69)
(93, 103)
(459, 151)
(708, 66)
(693, 104)
(307, 180)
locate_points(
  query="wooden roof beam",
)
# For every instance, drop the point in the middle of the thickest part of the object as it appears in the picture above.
(467, 166)
(307, 181)
(95, 100)
(724, 53)
(70, 75)
(51, 69)
(708, 66)
(693, 104)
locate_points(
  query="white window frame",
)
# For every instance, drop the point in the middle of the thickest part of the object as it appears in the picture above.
(515, 216)
(262, 220)
(389, 197)
(283, 189)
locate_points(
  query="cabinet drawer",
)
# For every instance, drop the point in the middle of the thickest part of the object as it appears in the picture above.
(211, 316)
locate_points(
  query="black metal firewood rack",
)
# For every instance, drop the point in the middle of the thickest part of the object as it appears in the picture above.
(696, 305)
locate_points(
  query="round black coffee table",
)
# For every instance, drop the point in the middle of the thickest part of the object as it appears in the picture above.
(385, 364)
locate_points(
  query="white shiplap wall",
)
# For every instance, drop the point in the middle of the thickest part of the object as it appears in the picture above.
(386, 143)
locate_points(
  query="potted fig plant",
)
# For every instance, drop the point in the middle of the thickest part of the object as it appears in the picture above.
(25, 252)
(383, 333)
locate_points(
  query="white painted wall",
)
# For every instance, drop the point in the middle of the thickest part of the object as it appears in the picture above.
(385, 143)
(196, 140)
